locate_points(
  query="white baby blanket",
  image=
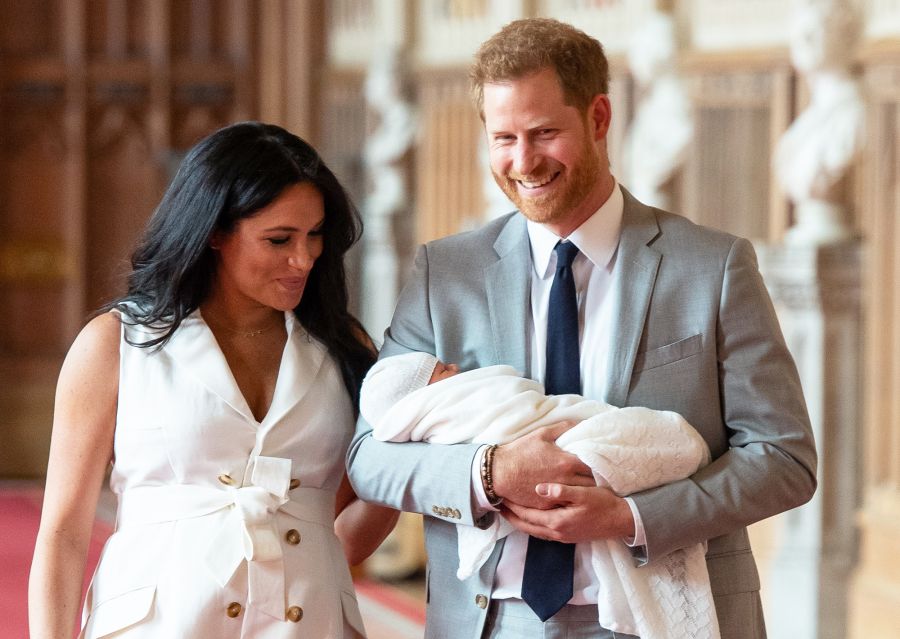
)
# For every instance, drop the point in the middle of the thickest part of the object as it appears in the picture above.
(628, 449)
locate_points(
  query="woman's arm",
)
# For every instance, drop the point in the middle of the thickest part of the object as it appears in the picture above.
(81, 448)
(359, 525)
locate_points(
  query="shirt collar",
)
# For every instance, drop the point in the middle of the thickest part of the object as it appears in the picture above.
(597, 237)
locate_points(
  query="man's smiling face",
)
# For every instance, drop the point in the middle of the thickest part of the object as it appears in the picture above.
(547, 156)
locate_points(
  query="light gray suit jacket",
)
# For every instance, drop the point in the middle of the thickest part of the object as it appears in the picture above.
(694, 332)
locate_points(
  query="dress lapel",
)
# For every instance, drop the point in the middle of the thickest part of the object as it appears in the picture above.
(633, 287)
(300, 364)
(507, 284)
(194, 348)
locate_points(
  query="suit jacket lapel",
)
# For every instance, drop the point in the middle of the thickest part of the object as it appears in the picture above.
(507, 283)
(637, 265)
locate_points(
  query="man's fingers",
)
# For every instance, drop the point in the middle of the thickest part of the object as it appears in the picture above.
(555, 431)
(550, 491)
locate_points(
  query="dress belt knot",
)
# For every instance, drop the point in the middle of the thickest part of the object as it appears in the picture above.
(249, 534)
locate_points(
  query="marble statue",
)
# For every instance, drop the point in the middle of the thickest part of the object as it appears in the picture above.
(385, 148)
(819, 146)
(658, 138)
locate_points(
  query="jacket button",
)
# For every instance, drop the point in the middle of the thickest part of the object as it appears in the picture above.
(293, 537)
(294, 613)
(226, 479)
(294, 483)
(233, 609)
(481, 601)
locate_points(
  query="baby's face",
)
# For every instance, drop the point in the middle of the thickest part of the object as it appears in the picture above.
(443, 371)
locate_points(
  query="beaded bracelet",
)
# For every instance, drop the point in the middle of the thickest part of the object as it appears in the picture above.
(487, 475)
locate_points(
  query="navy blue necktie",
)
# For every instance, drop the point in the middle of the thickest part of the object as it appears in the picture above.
(550, 565)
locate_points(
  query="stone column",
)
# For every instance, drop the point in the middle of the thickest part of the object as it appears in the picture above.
(816, 292)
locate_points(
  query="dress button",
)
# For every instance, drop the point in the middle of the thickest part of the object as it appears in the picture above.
(294, 483)
(481, 601)
(293, 537)
(294, 613)
(226, 479)
(233, 609)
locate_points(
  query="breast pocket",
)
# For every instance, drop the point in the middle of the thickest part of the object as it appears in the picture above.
(668, 354)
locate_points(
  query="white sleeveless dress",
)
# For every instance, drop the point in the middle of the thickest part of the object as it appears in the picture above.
(212, 541)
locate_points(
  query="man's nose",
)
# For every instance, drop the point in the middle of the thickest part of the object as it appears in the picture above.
(525, 158)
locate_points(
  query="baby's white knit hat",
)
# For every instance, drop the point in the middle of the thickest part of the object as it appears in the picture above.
(391, 379)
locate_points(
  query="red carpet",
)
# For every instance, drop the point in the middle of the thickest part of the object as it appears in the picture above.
(20, 512)
(389, 613)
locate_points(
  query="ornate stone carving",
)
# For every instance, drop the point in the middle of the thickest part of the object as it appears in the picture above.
(817, 149)
(663, 126)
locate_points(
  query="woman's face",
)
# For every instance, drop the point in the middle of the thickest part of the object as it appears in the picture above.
(266, 259)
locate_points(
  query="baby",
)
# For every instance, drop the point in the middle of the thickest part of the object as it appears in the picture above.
(416, 397)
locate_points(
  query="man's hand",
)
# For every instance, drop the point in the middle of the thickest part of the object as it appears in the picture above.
(535, 459)
(573, 514)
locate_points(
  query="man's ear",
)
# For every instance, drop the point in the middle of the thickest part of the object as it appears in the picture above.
(600, 115)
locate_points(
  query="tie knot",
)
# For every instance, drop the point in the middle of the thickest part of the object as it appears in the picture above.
(565, 253)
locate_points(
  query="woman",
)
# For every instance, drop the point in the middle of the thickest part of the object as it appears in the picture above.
(223, 387)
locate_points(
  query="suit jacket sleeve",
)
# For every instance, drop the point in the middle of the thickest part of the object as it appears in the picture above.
(432, 479)
(769, 464)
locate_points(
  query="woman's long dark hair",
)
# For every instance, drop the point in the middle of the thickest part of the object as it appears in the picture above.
(226, 177)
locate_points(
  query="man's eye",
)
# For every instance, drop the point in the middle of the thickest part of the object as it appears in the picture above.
(278, 240)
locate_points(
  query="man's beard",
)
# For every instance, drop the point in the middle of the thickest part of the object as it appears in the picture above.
(564, 198)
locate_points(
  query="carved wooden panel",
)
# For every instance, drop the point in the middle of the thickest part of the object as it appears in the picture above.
(881, 192)
(727, 181)
(449, 176)
(98, 99)
(875, 601)
(29, 28)
(123, 156)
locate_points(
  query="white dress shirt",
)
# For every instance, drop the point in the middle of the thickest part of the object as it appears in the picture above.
(593, 270)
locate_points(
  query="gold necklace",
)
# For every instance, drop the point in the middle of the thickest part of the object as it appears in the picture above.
(259, 331)
(250, 333)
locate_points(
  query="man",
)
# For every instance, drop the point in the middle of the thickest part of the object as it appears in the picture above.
(652, 311)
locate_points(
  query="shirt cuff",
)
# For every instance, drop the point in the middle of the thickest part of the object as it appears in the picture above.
(480, 499)
(640, 537)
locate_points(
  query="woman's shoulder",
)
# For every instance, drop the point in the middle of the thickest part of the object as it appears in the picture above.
(95, 351)
(104, 330)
